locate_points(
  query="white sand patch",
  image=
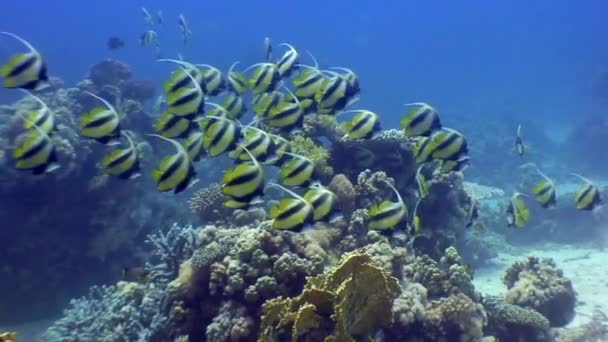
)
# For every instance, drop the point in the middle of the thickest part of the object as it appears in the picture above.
(586, 267)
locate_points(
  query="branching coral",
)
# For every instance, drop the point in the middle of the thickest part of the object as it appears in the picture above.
(130, 311)
(540, 285)
(349, 301)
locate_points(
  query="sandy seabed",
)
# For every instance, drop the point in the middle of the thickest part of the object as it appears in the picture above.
(586, 267)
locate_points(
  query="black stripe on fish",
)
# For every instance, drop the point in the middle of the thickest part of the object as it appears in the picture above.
(263, 75)
(299, 169)
(387, 214)
(23, 66)
(445, 144)
(185, 99)
(100, 121)
(220, 134)
(420, 118)
(124, 157)
(545, 190)
(332, 89)
(39, 146)
(366, 119)
(294, 209)
(172, 168)
(320, 199)
(293, 109)
(244, 178)
(316, 77)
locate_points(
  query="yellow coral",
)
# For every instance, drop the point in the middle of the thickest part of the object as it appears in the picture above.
(351, 300)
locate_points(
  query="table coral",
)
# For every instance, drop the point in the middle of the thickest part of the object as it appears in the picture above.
(540, 285)
(336, 306)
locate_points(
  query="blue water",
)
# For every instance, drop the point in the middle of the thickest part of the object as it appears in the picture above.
(484, 58)
(476, 61)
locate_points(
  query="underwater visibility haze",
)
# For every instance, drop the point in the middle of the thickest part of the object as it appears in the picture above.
(303, 171)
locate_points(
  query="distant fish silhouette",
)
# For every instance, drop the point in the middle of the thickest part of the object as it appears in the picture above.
(115, 43)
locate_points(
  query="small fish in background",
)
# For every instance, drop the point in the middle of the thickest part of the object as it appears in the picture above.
(587, 197)
(160, 19)
(150, 37)
(147, 16)
(544, 191)
(267, 49)
(473, 218)
(25, 70)
(115, 43)
(518, 213)
(519, 143)
(185, 29)
(138, 274)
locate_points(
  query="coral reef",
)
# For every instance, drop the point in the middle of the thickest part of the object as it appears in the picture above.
(508, 321)
(79, 246)
(131, 311)
(540, 285)
(443, 214)
(246, 265)
(346, 303)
